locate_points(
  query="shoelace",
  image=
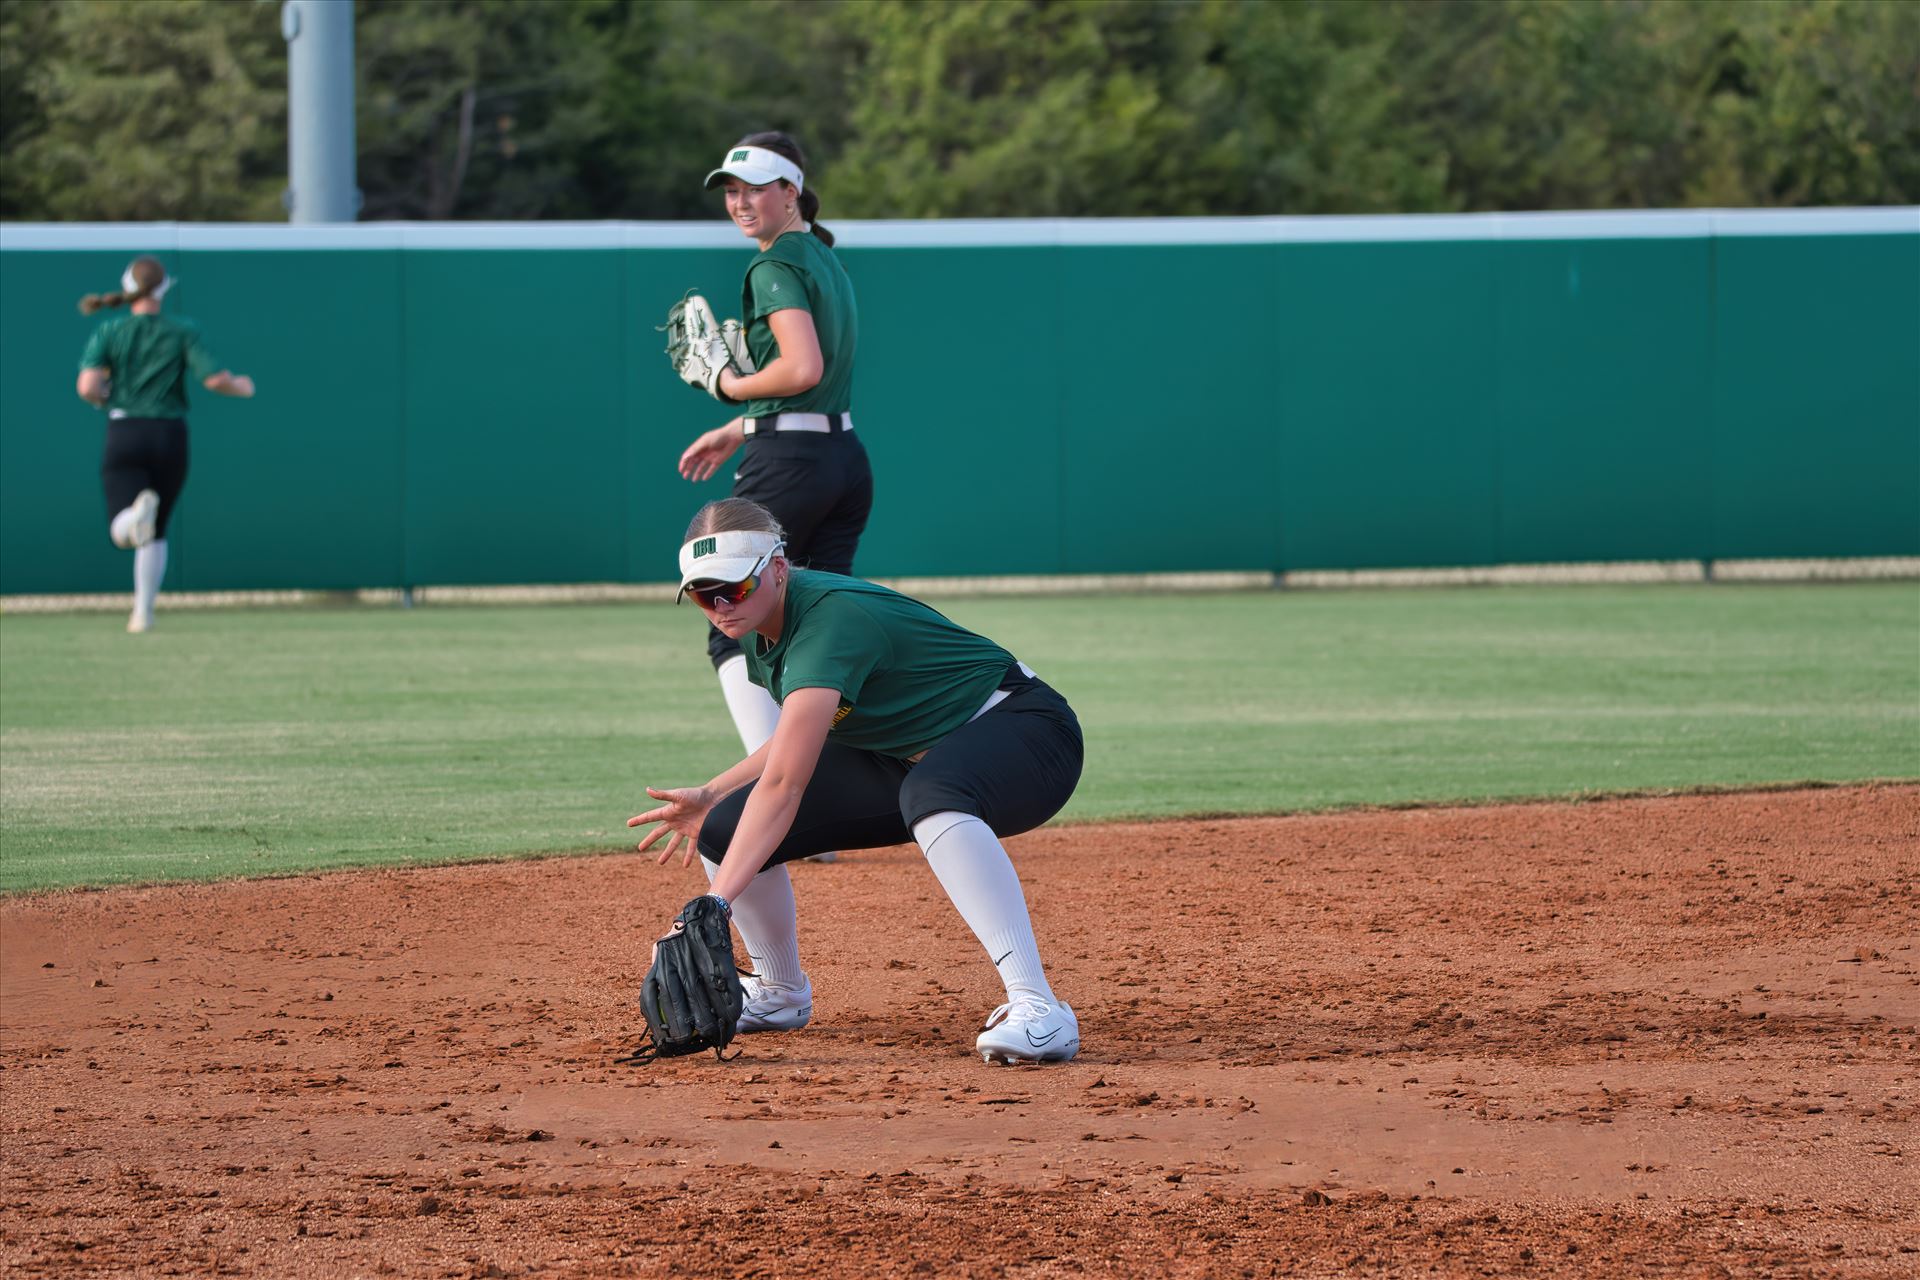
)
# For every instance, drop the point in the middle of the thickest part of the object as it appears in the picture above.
(1019, 1011)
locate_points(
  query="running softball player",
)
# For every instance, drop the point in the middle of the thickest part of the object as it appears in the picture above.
(896, 725)
(802, 326)
(136, 368)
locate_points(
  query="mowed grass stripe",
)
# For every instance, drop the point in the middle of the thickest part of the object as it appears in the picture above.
(264, 741)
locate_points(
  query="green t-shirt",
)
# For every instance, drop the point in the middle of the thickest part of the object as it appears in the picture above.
(907, 677)
(150, 359)
(801, 271)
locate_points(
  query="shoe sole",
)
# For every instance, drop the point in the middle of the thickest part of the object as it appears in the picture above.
(145, 523)
(1007, 1057)
(798, 1019)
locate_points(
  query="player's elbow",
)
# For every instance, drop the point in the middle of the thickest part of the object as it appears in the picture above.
(807, 373)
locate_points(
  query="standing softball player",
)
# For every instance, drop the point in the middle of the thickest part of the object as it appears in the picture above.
(896, 725)
(801, 327)
(136, 368)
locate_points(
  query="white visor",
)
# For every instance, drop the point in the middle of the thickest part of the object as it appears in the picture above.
(758, 167)
(129, 285)
(725, 557)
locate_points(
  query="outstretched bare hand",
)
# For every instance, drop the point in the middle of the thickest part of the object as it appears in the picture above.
(679, 818)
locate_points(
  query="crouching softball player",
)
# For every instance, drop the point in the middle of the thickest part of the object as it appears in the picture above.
(895, 725)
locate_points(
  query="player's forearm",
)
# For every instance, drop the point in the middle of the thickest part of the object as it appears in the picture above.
(93, 386)
(785, 376)
(764, 823)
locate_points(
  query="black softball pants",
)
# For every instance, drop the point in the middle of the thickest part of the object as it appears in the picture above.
(144, 453)
(819, 486)
(1013, 768)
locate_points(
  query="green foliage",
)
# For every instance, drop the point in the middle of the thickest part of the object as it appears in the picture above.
(1324, 102)
(678, 81)
(474, 108)
(119, 110)
(980, 108)
(27, 44)
(1032, 109)
(1819, 103)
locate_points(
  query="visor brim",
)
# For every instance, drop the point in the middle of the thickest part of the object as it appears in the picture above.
(747, 173)
(716, 575)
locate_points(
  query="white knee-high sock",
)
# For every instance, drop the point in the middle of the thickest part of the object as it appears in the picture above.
(972, 866)
(149, 567)
(769, 924)
(753, 709)
(121, 530)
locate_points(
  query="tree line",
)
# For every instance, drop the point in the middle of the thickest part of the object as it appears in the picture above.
(521, 109)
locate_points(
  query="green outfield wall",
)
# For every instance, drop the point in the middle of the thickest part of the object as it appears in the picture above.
(466, 403)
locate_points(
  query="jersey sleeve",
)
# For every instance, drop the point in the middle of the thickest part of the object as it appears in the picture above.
(777, 286)
(94, 354)
(201, 362)
(839, 649)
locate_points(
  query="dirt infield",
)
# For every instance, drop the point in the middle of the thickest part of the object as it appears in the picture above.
(1644, 1037)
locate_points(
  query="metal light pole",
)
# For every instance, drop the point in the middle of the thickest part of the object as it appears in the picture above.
(321, 185)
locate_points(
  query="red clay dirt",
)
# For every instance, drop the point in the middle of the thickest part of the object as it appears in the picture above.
(1671, 1036)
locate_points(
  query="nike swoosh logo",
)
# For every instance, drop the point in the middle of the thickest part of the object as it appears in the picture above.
(996, 963)
(1040, 1042)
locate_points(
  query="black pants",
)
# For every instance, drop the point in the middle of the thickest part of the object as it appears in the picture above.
(1013, 768)
(819, 486)
(144, 453)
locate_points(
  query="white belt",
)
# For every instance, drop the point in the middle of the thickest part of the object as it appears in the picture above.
(820, 422)
(994, 699)
(999, 696)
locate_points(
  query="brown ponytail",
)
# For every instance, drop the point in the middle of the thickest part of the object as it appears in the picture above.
(98, 301)
(783, 144)
(810, 210)
(148, 275)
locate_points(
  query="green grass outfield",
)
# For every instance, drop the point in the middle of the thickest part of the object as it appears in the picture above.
(271, 741)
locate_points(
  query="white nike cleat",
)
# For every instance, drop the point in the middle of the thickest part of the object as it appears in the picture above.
(139, 623)
(774, 1008)
(146, 517)
(1030, 1031)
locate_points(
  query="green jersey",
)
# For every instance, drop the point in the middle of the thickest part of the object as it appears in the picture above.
(801, 271)
(906, 676)
(150, 358)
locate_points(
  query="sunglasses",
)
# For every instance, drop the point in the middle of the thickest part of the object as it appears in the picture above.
(713, 595)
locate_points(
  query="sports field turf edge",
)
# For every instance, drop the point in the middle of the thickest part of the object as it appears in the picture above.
(283, 741)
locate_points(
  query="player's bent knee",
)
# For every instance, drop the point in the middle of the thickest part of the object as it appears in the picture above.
(926, 793)
(928, 830)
